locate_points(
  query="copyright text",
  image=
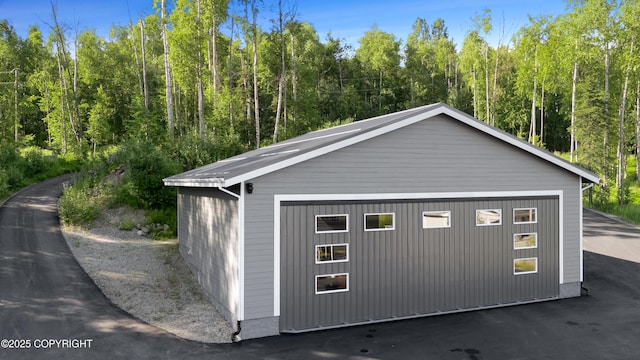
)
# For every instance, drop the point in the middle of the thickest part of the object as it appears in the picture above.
(46, 344)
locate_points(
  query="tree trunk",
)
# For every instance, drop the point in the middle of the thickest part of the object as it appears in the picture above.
(605, 158)
(282, 78)
(256, 105)
(294, 77)
(230, 76)
(542, 116)
(475, 95)
(638, 130)
(167, 69)
(145, 87)
(621, 157)
(64, 97)
(572, 154)
(245, 86)
(486, 83)
(199, 74)
(495, 87)
(63, 68)
(15, 104)
(380, 94)
(532, 126)
(74, 89)
(214, 49)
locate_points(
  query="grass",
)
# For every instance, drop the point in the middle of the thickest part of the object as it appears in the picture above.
(605, 199)
(127, 225)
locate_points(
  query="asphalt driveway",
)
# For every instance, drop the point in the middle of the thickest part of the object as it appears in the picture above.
(46, 298)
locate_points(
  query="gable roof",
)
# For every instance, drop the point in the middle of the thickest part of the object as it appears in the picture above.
(255, 163)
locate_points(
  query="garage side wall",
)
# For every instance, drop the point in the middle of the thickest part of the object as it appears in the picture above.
(435, 155)
(208, 238)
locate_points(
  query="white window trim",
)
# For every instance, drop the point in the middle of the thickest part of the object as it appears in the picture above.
(525, 222)
(330, 231)
(393, 218)
(525, 272)
(331, 261)
(526, 247)
(279, 198)
(448, 212)
(498, 210)
(331, 291)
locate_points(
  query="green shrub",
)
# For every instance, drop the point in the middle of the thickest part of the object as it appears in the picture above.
(146, 167)
(123, 195)
(34, 162)
(4, 184)
(127, 224)
(192, 151)
(12, 164)
(83, 202)
(77, 207)
(162, 223)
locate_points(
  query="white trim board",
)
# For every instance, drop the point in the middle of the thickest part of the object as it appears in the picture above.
(241, 222)
(279, 198)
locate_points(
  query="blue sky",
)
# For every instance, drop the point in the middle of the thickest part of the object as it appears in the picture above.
(345, 19)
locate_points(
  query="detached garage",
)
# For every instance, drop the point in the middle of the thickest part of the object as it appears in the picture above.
(421, 212)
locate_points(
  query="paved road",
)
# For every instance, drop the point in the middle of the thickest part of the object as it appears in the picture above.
(44, 294)
(607, 236)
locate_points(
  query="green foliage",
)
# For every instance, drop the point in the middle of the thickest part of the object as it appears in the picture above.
(191, 151)
(31, 164)
(4, 184)
(162, 223)
(127, 225)
(12, 164)
(83, 202)
(146, 167)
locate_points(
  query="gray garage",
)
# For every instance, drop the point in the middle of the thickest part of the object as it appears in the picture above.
(421, 212)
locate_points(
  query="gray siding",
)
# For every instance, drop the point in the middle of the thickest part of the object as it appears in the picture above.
(208, 238)
(411, 271)
(435, 155)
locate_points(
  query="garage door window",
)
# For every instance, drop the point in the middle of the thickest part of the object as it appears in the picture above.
(436, 219)
(525, 216)
(332, 283)
(525, 241)
(332, 253)
(379, 222)
(488, 217)
(525, 266)
(336, 223)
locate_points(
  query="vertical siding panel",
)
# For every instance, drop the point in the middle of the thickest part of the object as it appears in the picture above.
(411, 270)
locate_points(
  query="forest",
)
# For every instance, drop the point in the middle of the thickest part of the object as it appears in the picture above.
(200, 80)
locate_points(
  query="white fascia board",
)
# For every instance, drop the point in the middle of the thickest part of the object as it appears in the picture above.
(208, 183)
(414, 196)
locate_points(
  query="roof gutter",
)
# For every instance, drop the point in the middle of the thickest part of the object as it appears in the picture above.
(212, 183)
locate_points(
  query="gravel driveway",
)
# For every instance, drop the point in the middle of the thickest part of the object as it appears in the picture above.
(147, 278)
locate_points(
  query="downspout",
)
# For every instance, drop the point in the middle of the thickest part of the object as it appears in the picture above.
(235, 336)
(582, 288)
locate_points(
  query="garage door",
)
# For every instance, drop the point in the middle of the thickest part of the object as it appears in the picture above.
(355, 262)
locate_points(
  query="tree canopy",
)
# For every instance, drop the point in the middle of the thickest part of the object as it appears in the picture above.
(569, 83)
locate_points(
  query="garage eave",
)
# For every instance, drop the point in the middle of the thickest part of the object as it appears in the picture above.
(198, 183)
